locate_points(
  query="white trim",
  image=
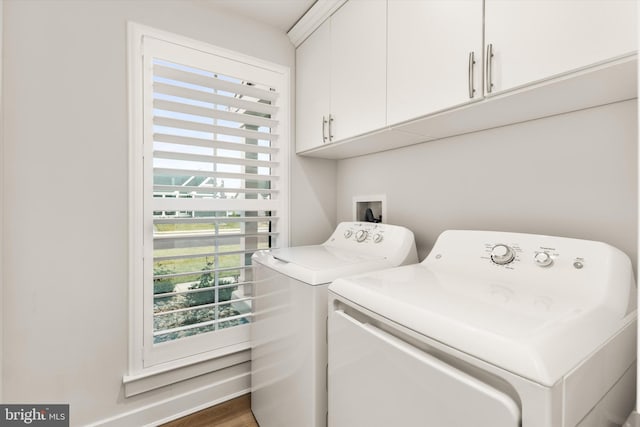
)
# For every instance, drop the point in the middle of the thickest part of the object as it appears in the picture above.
(224, 385)
(136, 298)
(147, 372)
(139, 30)
(171, 373)
(319, 12)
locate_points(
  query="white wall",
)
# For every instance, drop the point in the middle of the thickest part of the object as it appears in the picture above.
(570, 175)
(65, 193)
(1, 201)
(313, 199)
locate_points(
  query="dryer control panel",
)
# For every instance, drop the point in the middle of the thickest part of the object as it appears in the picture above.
(556, 269)
(542, 256)
(513, 251)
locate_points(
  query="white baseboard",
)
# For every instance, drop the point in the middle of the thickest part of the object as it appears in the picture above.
(156, 413)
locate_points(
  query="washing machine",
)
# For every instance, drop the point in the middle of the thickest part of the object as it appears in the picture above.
(492, 329)
(288, 332)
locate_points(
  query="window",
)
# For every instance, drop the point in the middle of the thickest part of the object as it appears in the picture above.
(209, 188)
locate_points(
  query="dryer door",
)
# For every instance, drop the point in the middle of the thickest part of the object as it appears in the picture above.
(378, 380)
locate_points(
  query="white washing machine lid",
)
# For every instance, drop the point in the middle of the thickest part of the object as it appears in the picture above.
(319, 264)
(535, 337)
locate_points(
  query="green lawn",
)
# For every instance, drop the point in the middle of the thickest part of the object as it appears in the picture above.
(196, 264)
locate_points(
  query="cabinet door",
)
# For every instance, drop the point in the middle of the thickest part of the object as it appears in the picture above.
(358, 68)
(313, 88)
(429, 48)
(536, 39)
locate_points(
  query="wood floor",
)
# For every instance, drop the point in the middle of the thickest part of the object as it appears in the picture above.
(234, 413)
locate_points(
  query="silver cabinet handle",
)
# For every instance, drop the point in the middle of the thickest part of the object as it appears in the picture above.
(324, 124)
(330, 128)
(472, 62)
(489, 68)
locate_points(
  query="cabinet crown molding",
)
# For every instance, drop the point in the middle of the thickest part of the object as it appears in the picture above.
(312, 19)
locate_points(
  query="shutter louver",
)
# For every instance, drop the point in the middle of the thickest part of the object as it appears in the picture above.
(214, 195)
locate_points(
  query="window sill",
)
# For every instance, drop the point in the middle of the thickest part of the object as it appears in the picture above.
(184, 369)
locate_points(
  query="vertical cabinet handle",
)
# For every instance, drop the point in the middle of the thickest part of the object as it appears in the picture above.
(489, 68)
(324, 125)
(330, 129)
(472, 62)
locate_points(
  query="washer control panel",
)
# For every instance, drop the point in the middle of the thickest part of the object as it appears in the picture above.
(365, 232)
(378, 239)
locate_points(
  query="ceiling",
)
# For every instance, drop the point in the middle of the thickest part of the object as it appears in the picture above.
(281, 14)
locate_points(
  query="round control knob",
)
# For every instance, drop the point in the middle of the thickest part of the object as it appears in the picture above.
(542, 259)
(377, 238)
(361, 235)
(347, 233)
(502, 254)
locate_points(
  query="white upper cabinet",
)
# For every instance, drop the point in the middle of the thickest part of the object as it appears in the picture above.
(358, 68)
(434, 56)
(313, 86)
(341, 76)
(382, 74)
(534, 40)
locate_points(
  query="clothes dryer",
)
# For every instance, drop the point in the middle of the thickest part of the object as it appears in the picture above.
(288, 332)
(492, 329)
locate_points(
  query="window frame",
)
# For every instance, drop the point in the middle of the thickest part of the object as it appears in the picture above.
(191, 352)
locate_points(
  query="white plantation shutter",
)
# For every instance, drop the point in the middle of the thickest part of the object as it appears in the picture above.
(214, 192)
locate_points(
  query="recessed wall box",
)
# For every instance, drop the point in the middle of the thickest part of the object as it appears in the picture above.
(377, 204)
